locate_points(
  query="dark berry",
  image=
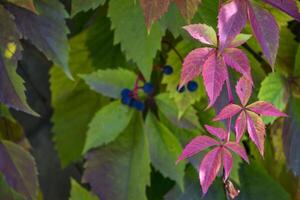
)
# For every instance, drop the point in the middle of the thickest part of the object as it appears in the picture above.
(192, 86)
(148, 88)
(138, 105)
(180, 90)
(167, 70)
(126, 100)
(125, 92)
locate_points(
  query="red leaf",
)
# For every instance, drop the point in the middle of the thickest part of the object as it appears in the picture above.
(244, 90)
(153, 10)
(214, 75)
(203, 33)
(265, 30)
(192, 65)
(288, 6)
(209, 168)
(188, 8)
(256, 130)
(232, 19)
(196, 145)
(265, 108)
(227, 162)
(238, 149)
(219, 132)
(238, 60)
(240, 126)
(228, 112)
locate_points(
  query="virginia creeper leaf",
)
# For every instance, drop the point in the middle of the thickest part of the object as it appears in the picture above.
(84, 5)
(153, 10)
(127, 159)
(19, 169)
(79, 193)
(288, 6)
(131, 33)
(219, 132)
(164, 150)
(214, 76)
(196, 145)
(110, 82)
(227, 162)
(203, 33)
(11, 85)
(47, 31)
(6, 192)
(103, 127)
(209, 168)
(227, 112)
(244, 90)
(265, 108)
(239, 40)
(28, 4)
(265, 30)
(236, 148)
(240, 126)
(193, 64)
(231, 20)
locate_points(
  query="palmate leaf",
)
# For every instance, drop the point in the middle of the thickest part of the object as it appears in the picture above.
(128, 161)
(28, 4)
(71, 116)
(6, 192)
(11, 85)
(103, 127)
(79, 193)
(84, 5)
(131, 33)
(19, 170)
(164, 150)
(47, 31)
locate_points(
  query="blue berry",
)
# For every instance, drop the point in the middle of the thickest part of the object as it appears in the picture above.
(138, 105)
(126, 100)
(125, 92)
(148, 88)
(167, 70)
(192, 86)
(181, 90)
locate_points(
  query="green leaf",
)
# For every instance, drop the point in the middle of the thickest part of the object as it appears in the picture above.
(12, 86)
(164, 150)
(110, 82)
(127, 159)
(19, 169)
(47, 31)
(273, 89)
(186, 99)
(74, 104)
(297, 63)
(79, 193)
(6, 192)
(107, 124)
(207, 13)
(167, 106)
(130, 30)
(28, 4)
(84, 5)
(257, 184)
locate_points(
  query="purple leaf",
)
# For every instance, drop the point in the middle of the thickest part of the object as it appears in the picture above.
(236, 148)
(219, 132)
(28, 4)
(228, 112)
(209, 168)
(227, 162)
(256, 130)
(193, 64)
(196, 145)
(265, 108)
(214, 75)
(19, 169)
(240, 126)
(238, 60)
(203, 33)
(231, 20)
(244, 90)
(288, 6)
(265, 30)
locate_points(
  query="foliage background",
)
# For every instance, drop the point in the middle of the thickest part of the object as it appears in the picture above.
(66, 107)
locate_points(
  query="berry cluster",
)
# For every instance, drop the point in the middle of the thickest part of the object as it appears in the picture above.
(130, 98)
(192, 86)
